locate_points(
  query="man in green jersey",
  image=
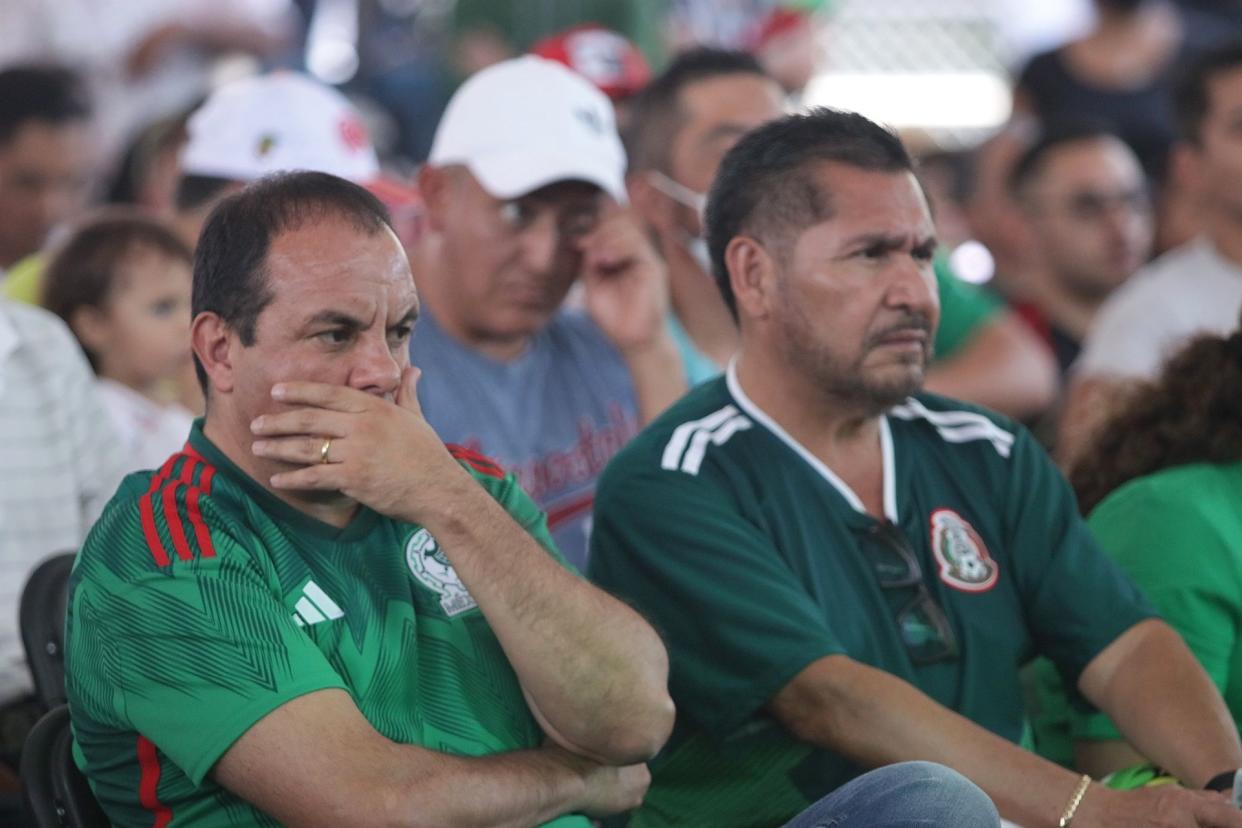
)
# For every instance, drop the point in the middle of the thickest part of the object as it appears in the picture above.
(319, 614)
(681, 125)
(848, 572)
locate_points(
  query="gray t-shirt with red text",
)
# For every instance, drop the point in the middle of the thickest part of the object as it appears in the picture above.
(554, 416)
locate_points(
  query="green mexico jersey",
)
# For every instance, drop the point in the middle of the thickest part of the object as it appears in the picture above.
(200, 602)
(1178, 534)
(748, 555)
(964, 310)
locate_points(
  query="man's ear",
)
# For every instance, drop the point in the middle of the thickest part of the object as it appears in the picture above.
(752, 275)
(214, 345)
(434, 185)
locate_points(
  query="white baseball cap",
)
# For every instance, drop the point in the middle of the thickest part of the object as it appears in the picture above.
(281, 121)
(528, 122)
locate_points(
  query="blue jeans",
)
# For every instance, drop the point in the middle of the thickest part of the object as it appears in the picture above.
(905, 795)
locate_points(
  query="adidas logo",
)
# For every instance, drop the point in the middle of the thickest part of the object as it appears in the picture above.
(315, 606)
(687, 447)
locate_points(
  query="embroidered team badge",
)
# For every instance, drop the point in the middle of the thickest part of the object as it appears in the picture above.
(428, 564)
(964, 560)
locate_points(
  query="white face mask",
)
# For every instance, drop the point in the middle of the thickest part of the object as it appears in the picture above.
(696, 201)
(680, 193)
(702, 256)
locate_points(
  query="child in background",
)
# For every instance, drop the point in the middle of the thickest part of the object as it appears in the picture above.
(121, 281)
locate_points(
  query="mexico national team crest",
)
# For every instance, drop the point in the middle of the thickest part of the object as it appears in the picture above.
(433, 570)
(964, 560)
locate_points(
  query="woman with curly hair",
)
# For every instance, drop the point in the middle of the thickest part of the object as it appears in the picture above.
(1162, 489)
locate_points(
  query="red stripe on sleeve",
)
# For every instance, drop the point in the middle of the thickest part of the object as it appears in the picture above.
(201, 531)
(146, 512)
(175, 527)
(480, 463)
(148, 784)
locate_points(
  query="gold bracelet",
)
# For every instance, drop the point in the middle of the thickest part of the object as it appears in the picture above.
(1075, 801)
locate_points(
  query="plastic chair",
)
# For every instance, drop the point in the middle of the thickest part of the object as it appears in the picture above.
(56, 793)
(42, 620)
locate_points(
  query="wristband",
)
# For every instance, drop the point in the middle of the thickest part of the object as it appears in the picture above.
(1075, 801)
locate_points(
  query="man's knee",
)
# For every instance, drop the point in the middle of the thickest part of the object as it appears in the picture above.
(941, 794)
(904, 795)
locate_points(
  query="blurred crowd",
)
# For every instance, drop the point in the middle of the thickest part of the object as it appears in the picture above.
(1087, 263)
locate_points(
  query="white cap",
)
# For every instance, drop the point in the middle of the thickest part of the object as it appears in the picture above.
(528, 122)
(282, 121)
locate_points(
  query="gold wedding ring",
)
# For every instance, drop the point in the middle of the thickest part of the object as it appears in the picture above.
(323, 452)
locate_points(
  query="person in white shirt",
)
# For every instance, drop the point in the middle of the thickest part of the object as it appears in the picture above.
(60, 462)
(1193, 289)
(121, 281)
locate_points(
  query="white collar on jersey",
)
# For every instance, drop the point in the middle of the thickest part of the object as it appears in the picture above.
(886, 449)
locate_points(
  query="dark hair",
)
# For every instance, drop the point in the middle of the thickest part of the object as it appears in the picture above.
(194, 191)
(230, 273)
(129, 177)
(83, 270)
(1192, 414)
(764, 187)
(1191, 100)
(52, 94)
(1051, 137)
(656, 114)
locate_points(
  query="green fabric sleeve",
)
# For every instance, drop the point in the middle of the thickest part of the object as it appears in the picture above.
(190, 654)
(1179, 560)
(508, 493)
(964, 309)
(737, 622)
(1077, 600)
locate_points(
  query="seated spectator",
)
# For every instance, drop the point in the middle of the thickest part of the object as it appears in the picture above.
(848, 572)
(682, 125)
(606, 58)
(1162, 488)
(1085, 204)
(264, 124)
(1120, 71)
(46, 163)
(145, 59)
(521, 196)
(60, 461)
(1192, 289)
(121, 281)
(320, 614)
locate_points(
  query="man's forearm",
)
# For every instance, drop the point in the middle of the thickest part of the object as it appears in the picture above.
(874, 718)
(1003, 366)
(516, 789)
(1165, 704)
(594, 671)
(658, 375)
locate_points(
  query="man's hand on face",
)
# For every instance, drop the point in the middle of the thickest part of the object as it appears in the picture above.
(381, 454)
(625, 282)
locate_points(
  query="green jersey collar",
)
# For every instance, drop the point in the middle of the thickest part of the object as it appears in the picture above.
(278, 509)
(886, 449)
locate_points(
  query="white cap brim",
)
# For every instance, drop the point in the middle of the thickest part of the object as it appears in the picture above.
(513, 174)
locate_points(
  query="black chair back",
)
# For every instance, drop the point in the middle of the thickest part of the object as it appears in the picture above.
(56, 793)
(42, 620)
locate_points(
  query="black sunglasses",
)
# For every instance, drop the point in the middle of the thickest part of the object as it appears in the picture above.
(924, 628)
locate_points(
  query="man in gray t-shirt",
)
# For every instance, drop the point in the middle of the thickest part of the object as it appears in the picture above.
(524, 196)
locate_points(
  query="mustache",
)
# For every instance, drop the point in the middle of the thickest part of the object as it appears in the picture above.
(909, 321)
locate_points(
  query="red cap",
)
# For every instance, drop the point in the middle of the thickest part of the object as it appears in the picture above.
(779, 21)
(605, 58)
